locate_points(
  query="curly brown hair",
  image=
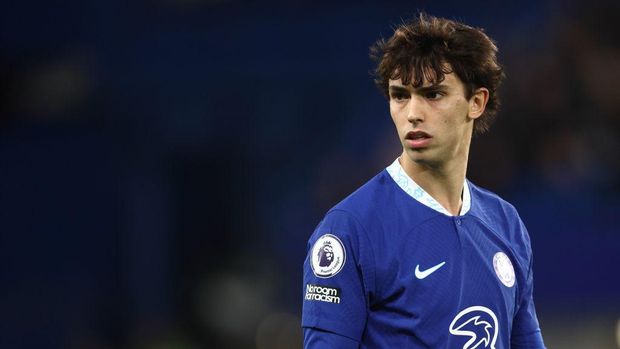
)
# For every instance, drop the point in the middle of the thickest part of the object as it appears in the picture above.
(427, 47)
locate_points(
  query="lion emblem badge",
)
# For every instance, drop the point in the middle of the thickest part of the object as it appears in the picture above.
(328, 256)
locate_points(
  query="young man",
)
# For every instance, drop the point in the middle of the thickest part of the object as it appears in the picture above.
(419, 257)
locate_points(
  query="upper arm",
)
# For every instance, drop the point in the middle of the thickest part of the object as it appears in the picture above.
(526, 332)
(525, 328)
(318, 339)
(335, 286)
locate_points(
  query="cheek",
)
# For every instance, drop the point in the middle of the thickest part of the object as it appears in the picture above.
(463, 108)
(398, 118)
(455, 113)
(395, 120)
(393, 113)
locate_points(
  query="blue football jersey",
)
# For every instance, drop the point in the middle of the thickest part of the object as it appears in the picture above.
(388, 267)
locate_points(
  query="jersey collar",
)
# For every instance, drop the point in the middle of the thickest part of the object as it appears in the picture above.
(412, 188)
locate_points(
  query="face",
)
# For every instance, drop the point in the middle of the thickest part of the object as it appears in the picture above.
(435, 122)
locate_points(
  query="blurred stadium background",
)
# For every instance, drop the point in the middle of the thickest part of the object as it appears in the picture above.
(164, 161)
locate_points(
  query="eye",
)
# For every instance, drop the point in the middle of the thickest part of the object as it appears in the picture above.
(399, 97)
(433, 95)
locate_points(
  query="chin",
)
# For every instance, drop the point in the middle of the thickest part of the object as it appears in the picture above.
(415, 156)
(421, 157)
(417, 153)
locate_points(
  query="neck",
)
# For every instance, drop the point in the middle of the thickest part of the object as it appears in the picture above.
(444, 182)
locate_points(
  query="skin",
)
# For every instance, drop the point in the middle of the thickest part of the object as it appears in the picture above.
(443, 112)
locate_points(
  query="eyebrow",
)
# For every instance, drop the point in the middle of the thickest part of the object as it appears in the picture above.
(434, 87)
(395, 88)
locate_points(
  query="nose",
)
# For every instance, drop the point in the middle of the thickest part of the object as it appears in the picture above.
(415, 112)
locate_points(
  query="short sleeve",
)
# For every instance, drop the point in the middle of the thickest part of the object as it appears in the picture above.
(334, 284)
(318, 339)
(526, 332)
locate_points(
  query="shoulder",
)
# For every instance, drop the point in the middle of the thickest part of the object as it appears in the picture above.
(490, 207)
(352, 218)
(369, 200)
(500, 216)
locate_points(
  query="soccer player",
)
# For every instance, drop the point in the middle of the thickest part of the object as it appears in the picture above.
(419, 257)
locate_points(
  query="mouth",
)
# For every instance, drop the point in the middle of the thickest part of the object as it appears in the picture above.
(418, 139)
(417, 135)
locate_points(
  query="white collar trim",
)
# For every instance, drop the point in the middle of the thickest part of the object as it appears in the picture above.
(412, 188)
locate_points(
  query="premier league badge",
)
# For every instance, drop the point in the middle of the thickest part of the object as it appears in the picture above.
(328, 256)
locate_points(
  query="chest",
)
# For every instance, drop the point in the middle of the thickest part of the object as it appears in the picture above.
(429, 274)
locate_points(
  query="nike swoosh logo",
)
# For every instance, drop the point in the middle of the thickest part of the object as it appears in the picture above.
(421, 274)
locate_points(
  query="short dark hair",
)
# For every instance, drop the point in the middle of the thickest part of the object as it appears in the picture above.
(428, 47)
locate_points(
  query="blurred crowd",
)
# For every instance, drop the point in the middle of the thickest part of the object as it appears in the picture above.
(164, 162)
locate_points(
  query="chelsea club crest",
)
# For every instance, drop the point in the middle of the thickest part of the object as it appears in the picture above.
(504, 269)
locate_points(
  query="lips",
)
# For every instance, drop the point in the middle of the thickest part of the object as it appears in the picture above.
(417, 135)
(417, 139)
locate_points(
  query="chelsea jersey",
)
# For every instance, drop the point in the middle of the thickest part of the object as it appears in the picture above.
(389, 267)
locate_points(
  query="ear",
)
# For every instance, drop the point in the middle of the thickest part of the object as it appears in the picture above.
(478, 102)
